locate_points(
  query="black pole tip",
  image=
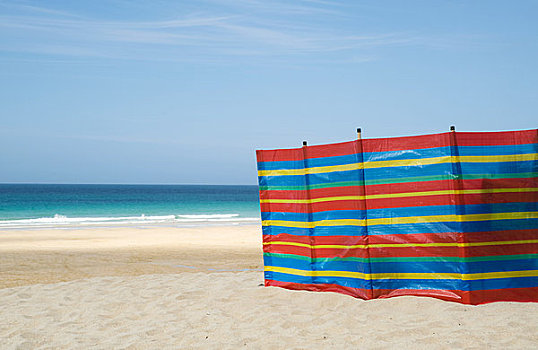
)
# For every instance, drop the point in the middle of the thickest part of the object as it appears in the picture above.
(452, 128)
(304, 143)
(358, 130)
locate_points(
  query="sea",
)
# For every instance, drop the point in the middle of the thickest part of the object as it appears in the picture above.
(24, 206)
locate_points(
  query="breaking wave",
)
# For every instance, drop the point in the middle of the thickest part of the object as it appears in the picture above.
(63, 221)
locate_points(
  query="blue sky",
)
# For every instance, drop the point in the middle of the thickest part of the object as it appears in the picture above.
(185, 91)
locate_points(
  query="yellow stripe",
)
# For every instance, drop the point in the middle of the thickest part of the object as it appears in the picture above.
(313, 200)
(402, 245)
(317, 273)
(404, 194)
(501, 158)
(404, 220)
(401, 162)
(315, 170)
(320, 246)
(375, 276)
(312, 224)
(504, 274)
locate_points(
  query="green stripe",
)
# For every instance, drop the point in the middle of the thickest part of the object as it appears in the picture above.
(410, 259)
(409, 179)
(312, 187)
(399, 180)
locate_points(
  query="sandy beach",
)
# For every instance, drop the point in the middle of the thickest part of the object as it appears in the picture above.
(200, 287)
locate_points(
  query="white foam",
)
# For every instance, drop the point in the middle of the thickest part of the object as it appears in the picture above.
(210, 216)
(62, 221)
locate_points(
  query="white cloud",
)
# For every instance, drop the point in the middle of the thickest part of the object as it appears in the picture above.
(239, 28)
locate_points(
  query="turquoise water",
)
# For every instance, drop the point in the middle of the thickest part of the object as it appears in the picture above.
(50, 205)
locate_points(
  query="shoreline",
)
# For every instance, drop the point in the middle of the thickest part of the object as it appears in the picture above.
(142, 223)
(134, 226)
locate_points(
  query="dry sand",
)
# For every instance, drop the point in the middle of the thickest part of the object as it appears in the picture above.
(164, 288)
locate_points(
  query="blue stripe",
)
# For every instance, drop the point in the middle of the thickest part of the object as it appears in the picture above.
(497, 283)
(402, 229)
(402, 155)
(420, 284)
(322, 215)
(405, 266)
(454, 267)
(498, 150)
(500, 167)
(318, 231)
(346, 282)
(400, 172)
(316, 266)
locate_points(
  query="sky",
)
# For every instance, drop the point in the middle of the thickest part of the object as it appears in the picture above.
(184, 92)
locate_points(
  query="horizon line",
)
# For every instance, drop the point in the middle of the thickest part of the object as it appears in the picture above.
(117, 183)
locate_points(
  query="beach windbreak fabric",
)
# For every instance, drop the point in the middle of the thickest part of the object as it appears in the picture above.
(452, 216)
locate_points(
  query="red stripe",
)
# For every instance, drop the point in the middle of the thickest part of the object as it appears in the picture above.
(404, 187)
(509, 235)
(319, 151)
(384, 252)
(448, 237)
(512, 249)
(380, 203)
(374, 252)
(400, 143)
(465, 297)
(509, 294)
(354, 292)
(499, 138)
(315, 240)
(319, 253)
(415, 252)
(406, 143)
(315, 193)
(280, 155)
(353, 147)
